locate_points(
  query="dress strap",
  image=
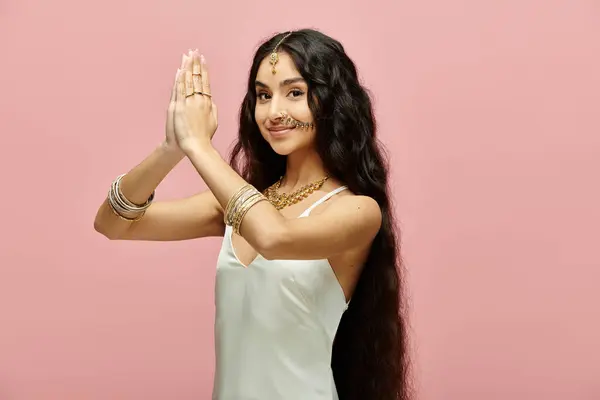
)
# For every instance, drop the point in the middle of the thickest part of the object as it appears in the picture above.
(322, 200)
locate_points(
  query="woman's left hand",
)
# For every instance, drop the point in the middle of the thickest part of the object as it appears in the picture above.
(195, 115)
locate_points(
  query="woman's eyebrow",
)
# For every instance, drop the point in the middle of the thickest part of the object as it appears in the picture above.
(282, 83)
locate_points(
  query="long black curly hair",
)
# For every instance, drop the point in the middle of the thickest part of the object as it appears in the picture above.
(370, 355)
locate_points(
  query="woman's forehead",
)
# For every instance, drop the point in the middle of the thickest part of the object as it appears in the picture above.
(285, 67)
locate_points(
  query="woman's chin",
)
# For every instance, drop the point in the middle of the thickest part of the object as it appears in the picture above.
(282, 148)
(283, 145)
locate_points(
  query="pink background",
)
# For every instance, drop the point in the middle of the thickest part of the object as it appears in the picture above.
(490, 110)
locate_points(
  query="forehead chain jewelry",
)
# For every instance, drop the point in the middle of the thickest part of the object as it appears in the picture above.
(275, 56)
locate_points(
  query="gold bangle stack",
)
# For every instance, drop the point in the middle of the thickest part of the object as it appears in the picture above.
(239, 204)
(122, 207)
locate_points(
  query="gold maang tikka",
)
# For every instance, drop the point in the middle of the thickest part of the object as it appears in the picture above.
(274, 56)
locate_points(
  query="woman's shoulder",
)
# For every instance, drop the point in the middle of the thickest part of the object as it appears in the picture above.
(350, 202)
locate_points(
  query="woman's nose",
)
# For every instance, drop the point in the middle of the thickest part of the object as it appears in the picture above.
(275, 110)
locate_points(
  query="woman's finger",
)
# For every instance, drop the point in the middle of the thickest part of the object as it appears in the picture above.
(196, 72)
(187, 67)
(174, 88)
(204, 72)
(181, 92)
(189, 83)
(189, 61)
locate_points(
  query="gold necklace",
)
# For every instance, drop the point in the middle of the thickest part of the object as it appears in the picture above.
(282, 200)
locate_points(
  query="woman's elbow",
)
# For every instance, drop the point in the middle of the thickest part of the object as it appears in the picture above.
(271, 244)
(102, 228)
(98, 227)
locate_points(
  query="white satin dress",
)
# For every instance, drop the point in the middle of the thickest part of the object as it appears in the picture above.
(274, 327)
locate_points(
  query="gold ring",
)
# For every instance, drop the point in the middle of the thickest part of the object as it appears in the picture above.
(203, 94)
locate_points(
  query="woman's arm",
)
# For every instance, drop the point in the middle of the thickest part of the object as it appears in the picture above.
(196, 216)
(352, 223)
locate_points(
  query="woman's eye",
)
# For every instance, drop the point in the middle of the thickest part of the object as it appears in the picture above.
(262, 96)
(296, 93)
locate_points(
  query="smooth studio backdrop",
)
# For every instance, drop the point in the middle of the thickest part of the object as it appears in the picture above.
(490, 110)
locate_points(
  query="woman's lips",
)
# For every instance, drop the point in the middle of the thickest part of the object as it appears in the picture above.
(276, 132)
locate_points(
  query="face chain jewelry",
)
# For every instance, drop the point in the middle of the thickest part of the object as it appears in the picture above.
(274, 56)
(287, 120)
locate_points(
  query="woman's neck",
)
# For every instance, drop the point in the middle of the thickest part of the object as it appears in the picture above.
(303, 167)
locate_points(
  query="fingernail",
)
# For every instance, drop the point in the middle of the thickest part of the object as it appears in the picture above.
(202, 59)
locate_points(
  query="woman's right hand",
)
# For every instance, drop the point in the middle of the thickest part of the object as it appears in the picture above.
(170, 141)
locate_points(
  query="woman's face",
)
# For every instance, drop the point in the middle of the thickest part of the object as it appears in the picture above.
(284, 91)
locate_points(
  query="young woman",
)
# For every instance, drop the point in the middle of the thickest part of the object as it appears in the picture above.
(308, 302)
